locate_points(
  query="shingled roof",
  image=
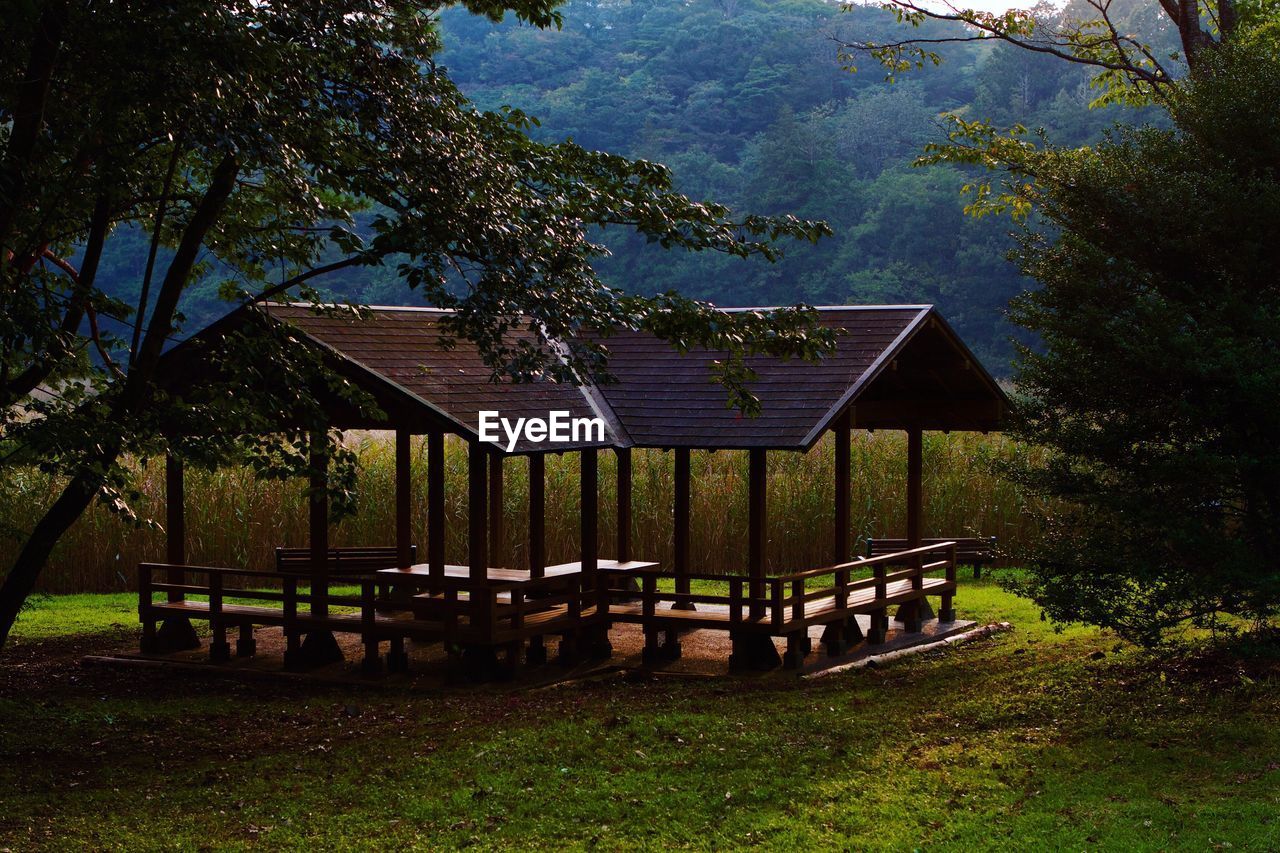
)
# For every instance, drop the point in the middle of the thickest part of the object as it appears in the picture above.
(893, 366)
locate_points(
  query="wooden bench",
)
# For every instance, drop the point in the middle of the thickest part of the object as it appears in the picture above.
(788, 605)
(970, 551)
(232, 599)
(343, 561)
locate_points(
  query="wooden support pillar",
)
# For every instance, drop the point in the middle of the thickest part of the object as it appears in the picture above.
(477, 511)
(915, 493)
(624, 504)
(594, 639)
(497, 520)
(176, 632)
(318, 526)
(757, 525)
(537, 652)
(435, 503)
(319, 647)
(843, 483)
(588, 481)
(175, 517)
(681, 513)
(752, 650)
(537, 515)
(403, 499)
(839, 635)
(911, 613)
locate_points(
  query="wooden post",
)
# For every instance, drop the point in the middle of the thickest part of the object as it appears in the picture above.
(839, 635)
(588, 468)
(435, 503)
(915, 474)
(319, 647)
(757, 526)
(594, 639)
(537, 515)
(753, 650)
(843, 478)
(175, 520)
(681, 556)
(477, 494)
(176, 632)
(911, 612)
(403, 497)
(318, 526)
(537, 652)
(497, 531)
(623, 455)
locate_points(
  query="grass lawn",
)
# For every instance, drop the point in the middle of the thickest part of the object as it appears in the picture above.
(1032, 739)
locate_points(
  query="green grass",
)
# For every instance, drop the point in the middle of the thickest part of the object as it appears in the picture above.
(50, 616)
(1033, 739)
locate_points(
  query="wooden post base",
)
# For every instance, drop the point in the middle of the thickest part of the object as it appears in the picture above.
(319, 648)
(175, 634)
(594, 643)
(661, 646)
(754, 652)
(480, 663)
(371, 665)
(536, 654)
(879, 628)
(219, 651)
(919, 610)
(797, 650)
(246, 645)
(397, 657)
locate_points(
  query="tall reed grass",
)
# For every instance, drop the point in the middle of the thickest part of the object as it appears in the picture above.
(235, 520)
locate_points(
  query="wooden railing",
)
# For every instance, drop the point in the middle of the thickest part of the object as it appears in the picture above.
(782, 603)
(460, 610)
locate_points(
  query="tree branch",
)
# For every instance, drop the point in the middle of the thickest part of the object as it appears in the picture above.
(43, 365)
(162, 208)
(28, 115)
(985, 23)
(202, 220)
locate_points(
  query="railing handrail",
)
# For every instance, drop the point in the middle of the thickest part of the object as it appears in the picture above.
(863, 562)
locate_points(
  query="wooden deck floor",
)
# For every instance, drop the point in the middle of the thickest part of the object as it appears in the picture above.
(706, 652)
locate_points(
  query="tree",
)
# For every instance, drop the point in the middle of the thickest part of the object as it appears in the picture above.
(1099, 34)
(1155, 377)
(243, 139)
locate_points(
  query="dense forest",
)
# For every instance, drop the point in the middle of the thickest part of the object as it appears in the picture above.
(748, 102)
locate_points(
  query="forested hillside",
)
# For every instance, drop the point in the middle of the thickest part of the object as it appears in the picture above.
(747, 102)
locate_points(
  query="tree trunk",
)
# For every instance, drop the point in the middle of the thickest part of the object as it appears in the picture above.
(21, 579)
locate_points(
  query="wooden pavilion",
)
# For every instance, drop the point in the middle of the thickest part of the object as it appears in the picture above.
(894, 367)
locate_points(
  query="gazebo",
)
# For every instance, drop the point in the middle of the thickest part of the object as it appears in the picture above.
(897, 367)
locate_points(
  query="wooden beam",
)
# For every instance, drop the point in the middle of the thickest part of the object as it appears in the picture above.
(980, 415)
(681, 512)
(477, 511)
(915, 475)
(588, 477)
(318, 524)
(623, 455)
(175, 521)
(843, 483)
(497, 526)
(435, 503)
(404, 533)
(537, 515)
(757, 524)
